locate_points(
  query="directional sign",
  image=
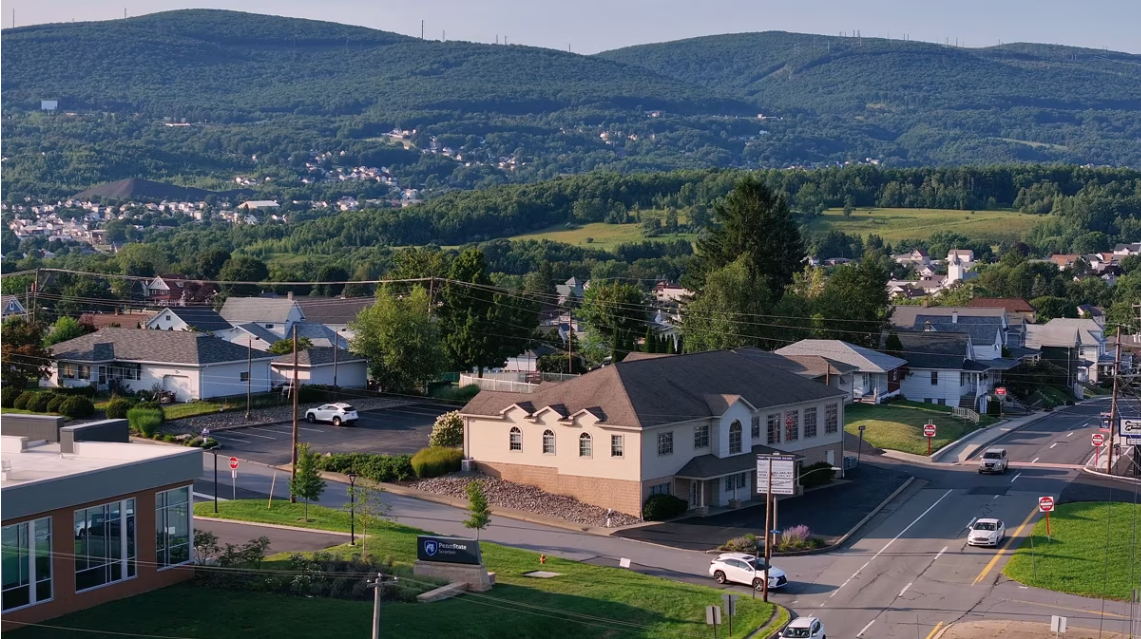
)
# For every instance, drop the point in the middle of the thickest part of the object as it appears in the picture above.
(783, 474)
(1046, 504)
(233, 463)
(929, 430)
(1000, 391)
(1098, 439)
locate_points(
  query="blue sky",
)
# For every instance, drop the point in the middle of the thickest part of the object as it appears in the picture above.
(589, 26)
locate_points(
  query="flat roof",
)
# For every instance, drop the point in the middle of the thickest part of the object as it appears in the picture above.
(42, 461)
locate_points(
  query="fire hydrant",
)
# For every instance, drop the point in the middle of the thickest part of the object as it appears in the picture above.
(542, 559)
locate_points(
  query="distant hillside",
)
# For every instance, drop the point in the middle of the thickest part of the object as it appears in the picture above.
(145, 190)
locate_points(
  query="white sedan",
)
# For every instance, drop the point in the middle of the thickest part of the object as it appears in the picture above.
(986, 532)
(743, 568)
(340, 414)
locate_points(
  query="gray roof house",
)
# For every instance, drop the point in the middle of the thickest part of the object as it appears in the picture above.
(942, 369)
(1082, 343)
(190, 365)
(188, 318)
(275, 314)
(877, 374)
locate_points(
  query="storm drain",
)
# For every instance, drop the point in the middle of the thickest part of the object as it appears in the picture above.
(542, 574)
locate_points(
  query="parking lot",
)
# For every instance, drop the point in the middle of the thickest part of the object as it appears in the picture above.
(395, 430)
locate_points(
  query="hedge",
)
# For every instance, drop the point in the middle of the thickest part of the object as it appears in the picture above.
(818, 476)
(77, 407)
(663, 507)
(8, 396)
(436, 461)
(145, 421)
(55, 403)
(117, 408)
(375, 467)
(39, 402)
(23, 398)
(76, 391)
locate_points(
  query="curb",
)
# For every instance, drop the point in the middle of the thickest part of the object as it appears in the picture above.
(981, 429)
(776, 633)
(1096, 473)
(1008, 433)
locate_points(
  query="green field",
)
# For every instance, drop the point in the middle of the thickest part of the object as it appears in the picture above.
(1074, 560)
(918, 224)
(599, 234)
(899, 425)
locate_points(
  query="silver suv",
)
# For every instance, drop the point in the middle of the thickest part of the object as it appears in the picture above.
(993, 461)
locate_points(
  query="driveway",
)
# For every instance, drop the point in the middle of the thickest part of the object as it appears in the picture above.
(828, 512)
(395, 430)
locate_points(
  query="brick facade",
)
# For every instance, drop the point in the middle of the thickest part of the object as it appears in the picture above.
(624, 496)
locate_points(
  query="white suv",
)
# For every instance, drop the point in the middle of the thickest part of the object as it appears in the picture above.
(747, 569)
(993, 461)
(804, 628)
(340, 414)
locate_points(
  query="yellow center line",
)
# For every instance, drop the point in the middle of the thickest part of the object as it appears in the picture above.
(998, 555)
(935, 629)
(1093, 613)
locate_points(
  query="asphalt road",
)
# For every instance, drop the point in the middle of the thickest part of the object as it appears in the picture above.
(395, 430)
(908, 572)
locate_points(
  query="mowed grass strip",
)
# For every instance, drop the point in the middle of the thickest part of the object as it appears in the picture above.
(899, 426)
(1075, 559)
(918, 224)
(600, 234)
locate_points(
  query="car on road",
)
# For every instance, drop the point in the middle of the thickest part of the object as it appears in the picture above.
(804, 628)
(993, 461)
(986, 532)
(743, 568)
(340, 414)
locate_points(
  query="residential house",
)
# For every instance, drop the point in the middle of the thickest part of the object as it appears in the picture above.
(528, 360)
(1013, 324)
(188, 318)
(88, 522)
(191, 365)
(941, 370)
(259, 205)
(877, 375)
(1065, 261)
(669, 293)
(572, 289)
(1011, 305)
(933, 284)
(829, 372)
(118, 319)
(166, 290)
(276, 315)
(986, 332)
(325, 366)
(1075, 345)
(687, 425)
(10, 305)
(915, 259)
(1122, 251)
(334, 312)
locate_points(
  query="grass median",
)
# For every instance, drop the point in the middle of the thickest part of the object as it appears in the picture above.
(899, 426)
(1094, 551)
(583, 601)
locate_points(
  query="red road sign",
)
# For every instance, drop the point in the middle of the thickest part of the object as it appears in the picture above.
(233, 463)
(929, 430)
(1000, 391)
(1045, 504)
(1098, 439)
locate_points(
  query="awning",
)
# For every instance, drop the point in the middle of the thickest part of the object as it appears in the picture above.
(713, 467)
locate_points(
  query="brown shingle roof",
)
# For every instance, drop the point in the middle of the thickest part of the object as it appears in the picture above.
(1009, 304)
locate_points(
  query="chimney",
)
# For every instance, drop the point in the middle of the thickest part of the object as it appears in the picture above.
(289, 295)
(954, 317)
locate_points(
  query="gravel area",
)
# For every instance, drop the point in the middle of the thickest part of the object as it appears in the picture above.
(527, 498)
(275, 415)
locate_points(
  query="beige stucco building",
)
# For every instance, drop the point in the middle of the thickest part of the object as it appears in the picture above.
(688, 425)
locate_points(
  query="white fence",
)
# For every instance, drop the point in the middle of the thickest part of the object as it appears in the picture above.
(514, 382)
(965, 413)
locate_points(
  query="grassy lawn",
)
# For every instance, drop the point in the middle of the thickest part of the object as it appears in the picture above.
(899, 425)
(191, 409)
(604, 235)
(1074, 560)
(899, 224)
(21, 411)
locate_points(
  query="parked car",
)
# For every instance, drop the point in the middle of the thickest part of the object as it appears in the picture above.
(743, 568)
(805, 628)
(341, 414)
(986, 532)
(993, 461)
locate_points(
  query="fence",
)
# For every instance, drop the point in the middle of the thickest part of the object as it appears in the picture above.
(494, 384)
(965, 413)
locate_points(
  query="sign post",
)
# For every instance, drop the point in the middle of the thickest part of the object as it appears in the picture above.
(929, 433)
(1097, 439)
(234, 476)
(1001, 392)
(776, 475)
(713, 617)
(1046, 505)
(1058, 625)
(730, 609)
(860, 450)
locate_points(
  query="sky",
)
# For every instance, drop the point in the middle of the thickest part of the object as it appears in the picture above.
(590, 26)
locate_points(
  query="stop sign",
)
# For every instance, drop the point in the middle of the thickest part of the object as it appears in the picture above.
(1046, 504)
(1000, 391)
(233, 463)
(1098, 439)
(929, 430)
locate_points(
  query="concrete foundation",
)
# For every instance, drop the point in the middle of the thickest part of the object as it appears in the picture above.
(476, 577)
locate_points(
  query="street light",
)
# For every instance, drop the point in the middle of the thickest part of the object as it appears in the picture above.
(352, 509)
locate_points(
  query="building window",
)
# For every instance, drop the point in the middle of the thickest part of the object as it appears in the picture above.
(934, 378)
(773, 426)
(67, 371)
(84, 371)
(831, 419)
(755, 431)
(616, 446)
(736, 482)
(792, 426)
(269, 325)
(868, 381)
(27, 565)
(701, 436)
(516, 438)
(172, 526)
(666, 443)
(809, 422)
(548, 442)
(104, 544)
(661, 489)
(245, 376)
(585, 445)
(734, 438)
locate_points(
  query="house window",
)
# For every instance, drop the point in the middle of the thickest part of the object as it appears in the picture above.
(172, 526)
(755, 430)
(701, 436)
(660, 489)
(792, 426)
(617, 446)
(934, 378)
(666, 443)
(26, 551)
(516, 438)
(831, 419)
(809, 422)
(104, 544)
(585, 445)
(245, 376)
(269, 325)
(67, 371)
(735, 482)
(84, 371)
(735, 438)
(773, 426)
(868, 381)
(548, 442)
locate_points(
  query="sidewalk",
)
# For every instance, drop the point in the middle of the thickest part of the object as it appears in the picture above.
(1018, 630)
(965, 448)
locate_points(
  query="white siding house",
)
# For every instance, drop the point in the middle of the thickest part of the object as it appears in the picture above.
(319, 366)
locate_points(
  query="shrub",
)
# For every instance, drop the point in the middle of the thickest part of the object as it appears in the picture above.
(663, 507)
(23, 398)
(145, 421)
(39, 402)
(311, 393)
(816, 475)
(77, 408)
(117, 408)
(55, 402)
(76, 391)
(8, 396)
(448, 431)
(369, 466)
(150, 404)
(749, 543)
(456, 394)
(436, 461)
(798, 538)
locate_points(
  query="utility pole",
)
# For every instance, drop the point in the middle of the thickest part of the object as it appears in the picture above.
(1113, 402)
(36, 297)
(431, 293)
(768, 527)
(336, 349)
(249, 374)
(570, 350)
(293, 453)
(421, 29)
(377, 585)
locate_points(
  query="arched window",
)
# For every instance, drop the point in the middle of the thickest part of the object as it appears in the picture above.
(548, 442)
(585, 446)
(516, 438)
(735, 438)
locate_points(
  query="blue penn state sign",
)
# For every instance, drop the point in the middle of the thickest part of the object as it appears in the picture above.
(451, 550)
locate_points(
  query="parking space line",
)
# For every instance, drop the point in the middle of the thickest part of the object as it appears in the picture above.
(412, 412)
(312, 430)
(224, 437)
(256, 435)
